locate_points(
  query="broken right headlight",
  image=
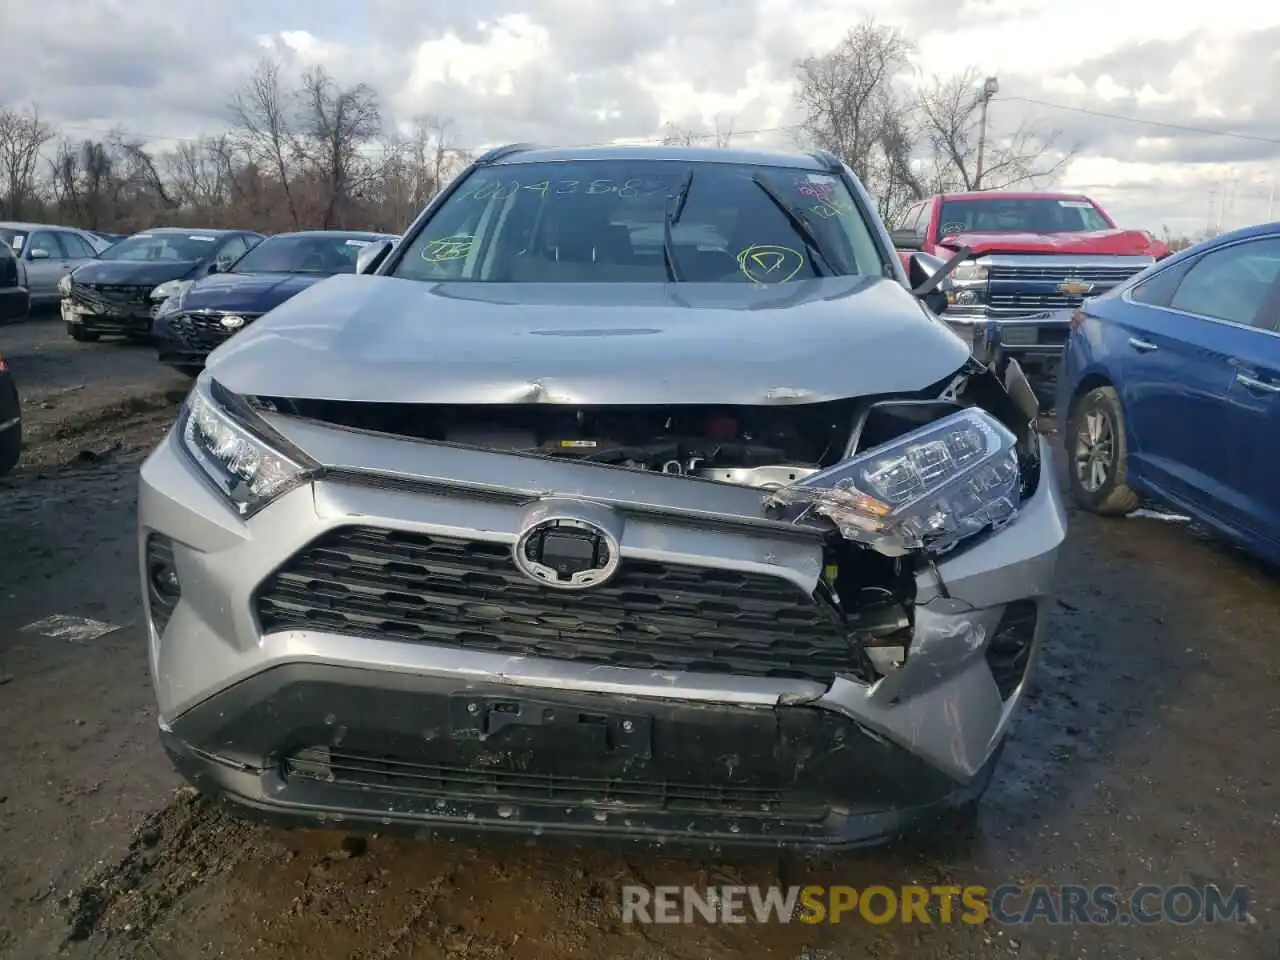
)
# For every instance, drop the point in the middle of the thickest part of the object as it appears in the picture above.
(927, 489)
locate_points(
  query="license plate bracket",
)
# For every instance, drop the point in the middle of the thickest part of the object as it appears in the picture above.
(625, 736)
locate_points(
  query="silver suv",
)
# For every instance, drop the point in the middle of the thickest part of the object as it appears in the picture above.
(632, 492)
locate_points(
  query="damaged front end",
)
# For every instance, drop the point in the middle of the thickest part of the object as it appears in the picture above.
(797, 623)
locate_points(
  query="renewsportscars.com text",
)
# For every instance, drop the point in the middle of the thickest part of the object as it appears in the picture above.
(1008, 905)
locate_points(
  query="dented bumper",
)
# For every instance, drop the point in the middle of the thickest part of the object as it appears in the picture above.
(295, 677)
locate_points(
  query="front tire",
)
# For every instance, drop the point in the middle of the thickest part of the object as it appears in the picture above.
(1099, 455)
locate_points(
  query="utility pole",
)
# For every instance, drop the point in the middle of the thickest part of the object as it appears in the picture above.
(989, 89)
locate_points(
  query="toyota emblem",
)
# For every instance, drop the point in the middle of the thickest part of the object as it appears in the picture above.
(567, 553)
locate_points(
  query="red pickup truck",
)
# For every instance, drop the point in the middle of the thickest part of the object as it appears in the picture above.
(1034, 258)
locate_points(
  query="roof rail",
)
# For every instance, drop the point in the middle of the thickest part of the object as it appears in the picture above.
(829, 160)
(497, 153)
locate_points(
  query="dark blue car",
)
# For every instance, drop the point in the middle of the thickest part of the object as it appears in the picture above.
(1170, 389)
(200, 316)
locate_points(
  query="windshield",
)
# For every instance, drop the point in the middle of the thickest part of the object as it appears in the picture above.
(1030, 215)
(14, 238)
(605, 221)
(162, 246)
(323, 255)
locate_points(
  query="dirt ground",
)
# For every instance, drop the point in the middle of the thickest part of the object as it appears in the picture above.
(1148, 754)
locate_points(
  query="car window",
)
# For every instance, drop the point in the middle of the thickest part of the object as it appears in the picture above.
(1020, 215)
(46, 241)
(315, 254)
(603, 221)
(921, 222)
(908, 221)
(76, 246)
(1158, 289)
(233, 250)
(163, 246)
(15, 239)
(1231, 283)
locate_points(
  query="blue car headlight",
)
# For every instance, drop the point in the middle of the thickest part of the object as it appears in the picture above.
(928, 489)
(248, 471)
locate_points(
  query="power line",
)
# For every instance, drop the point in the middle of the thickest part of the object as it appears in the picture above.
(1182, 127)
(625, 141)
(788, 128)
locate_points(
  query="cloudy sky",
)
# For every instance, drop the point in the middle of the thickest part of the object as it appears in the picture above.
(586, 71)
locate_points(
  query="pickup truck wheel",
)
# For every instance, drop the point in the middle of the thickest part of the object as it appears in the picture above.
(82, 336)
(1098, 456)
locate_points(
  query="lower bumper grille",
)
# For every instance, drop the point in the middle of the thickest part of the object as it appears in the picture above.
(377, 772)
(364, 581)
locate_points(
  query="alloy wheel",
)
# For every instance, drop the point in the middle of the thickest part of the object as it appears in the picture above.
(1095, 450)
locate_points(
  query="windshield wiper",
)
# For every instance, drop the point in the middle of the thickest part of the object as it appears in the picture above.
(800, 224)
(668, 244)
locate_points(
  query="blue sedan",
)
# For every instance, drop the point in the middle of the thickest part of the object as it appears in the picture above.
(1170, 390)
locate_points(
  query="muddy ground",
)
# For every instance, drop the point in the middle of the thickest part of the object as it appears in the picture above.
(1148, 754)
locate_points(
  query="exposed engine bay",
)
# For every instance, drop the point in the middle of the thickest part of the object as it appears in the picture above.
(760, 446)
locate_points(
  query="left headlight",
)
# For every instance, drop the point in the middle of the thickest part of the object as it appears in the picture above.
(247, 470)
(170, 288)
(970, 272)
(927, 489)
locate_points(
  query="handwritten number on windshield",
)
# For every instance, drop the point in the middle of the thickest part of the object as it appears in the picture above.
(632, 189)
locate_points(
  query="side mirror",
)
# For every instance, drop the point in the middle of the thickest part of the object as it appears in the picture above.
(38, 255)
(930, 277)
(371, 255)
(907, 239)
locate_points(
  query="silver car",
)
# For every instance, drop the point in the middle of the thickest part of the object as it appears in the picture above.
(47, 253)
(534, 527)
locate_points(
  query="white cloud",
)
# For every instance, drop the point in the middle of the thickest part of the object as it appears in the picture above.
(579, 71)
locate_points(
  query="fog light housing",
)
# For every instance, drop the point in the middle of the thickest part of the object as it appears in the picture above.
(1009, 650)
(163, 585)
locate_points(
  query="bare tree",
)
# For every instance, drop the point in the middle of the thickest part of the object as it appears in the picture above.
(677, 135)
(23, 136)
(83, 182)
(415, 168)
(847, 97)
(263, 115)
(950, 114)
(336, 127)
(202, 172)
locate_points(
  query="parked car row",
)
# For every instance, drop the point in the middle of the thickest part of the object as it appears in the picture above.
(190, 290)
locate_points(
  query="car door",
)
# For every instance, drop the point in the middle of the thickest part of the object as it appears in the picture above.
(1187, 331)
(1254, 421)
(46, 263)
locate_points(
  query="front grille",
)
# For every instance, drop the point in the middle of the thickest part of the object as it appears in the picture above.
(204, 331)
(113, 297)
(1058, 273)
(364, 581)
(367, 771)
(1031, 302)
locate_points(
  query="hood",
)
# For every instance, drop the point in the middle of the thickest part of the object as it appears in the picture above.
(245, 292)
(382, 339)
(1118, 243)
(134, 272)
